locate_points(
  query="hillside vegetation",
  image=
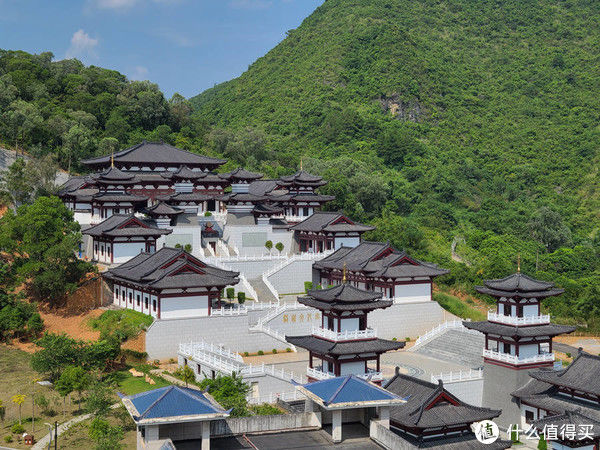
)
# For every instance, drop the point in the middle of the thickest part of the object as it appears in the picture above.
(441, 121)
(467, 132)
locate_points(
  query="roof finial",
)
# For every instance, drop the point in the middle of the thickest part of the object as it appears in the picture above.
(344, 273)
(300, 163)
(112, 159)
(519, 263)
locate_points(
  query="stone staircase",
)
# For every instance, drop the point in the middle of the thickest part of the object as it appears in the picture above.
(456, 346)
(263, 293)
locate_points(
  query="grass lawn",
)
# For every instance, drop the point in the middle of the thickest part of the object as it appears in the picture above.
(124, 322)
(457, 307)
(17, 377)
(77, 437)
(129, 385)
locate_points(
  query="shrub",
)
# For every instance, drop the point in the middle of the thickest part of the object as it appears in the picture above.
(265, 410)
(568, 355)
(207, 214)
(289, 350)
(17, 428)
(274, 351)
(246, 353)
(260, 353)
(308, 285)
(230, 293)
(8, 439)
(279, 247)
(394, 339)
(269, 245)
(156, 362)
(241, 297)
(187, 248)
(407, 339)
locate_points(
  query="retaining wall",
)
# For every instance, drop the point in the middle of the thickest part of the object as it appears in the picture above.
(469, 391)
(261, 424)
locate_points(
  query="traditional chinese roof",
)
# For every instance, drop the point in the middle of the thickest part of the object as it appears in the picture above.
(547, 396)
(171, 268)
(162, 209)
(190, 197)
(118, 197)
(185, 173)
(262, 187)
(517, 331)
(582, 375)
(302, 178)
(349, 391)
(576, 419)
(123, 225)
(244, 197)
(72, 184)
(379, 259)
(81, 195)
(330, 222)
(115, 176)
(518, 285)
(344, 297)
(172, 404)
(155, 153)
(267, 210)
(359, 347)
(240, 174)
(431, 406)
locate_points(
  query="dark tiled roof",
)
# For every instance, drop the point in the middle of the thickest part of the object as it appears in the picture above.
(244, 197)
(364, 258)
(344, 297)
(172, 402)
(261, 208)
(72, 184)
(113, 175)
(583, 374)
(299, 198)
(124, 225)
(190, 197)
(116, 197)
(428, 405)
(240, 174)
(82, 195)
(323, 347)
(262, 187)
(546, 396)
(302, 178)
(185, 173)
(162, 209)
(156, 153)
(519, 331)
(330, 222)
(576, 417)
(350, 389)
(166, 269)
(518, 285)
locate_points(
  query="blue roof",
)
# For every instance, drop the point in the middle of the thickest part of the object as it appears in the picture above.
(348, 389)
(172, 401)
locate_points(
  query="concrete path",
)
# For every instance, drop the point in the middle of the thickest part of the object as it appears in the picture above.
(416, 365)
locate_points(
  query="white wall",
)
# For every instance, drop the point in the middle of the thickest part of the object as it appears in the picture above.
(356, 368)
(124, 251)
(413, 292)
(346, 242)
(180, 307)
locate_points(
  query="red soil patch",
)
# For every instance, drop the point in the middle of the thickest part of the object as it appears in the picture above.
(137, 344)
(75, 326)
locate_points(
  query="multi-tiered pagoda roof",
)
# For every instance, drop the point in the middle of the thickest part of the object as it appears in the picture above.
(344, 297)
(518, 286)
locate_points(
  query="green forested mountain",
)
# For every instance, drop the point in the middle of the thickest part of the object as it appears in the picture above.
(453, 118)
(467, 132)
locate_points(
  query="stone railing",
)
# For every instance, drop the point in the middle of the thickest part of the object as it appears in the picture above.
(455, 324)
(241, 310)
(369, 333)
(462, 375)
(513, 320)
(190, 348)
(274, 396)
(318, 374)
(516, 360)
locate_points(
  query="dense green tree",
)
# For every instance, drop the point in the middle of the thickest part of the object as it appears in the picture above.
(548, 228)
(229, 391)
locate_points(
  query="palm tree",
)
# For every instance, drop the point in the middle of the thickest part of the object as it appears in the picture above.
(18, 399)
(187, 375)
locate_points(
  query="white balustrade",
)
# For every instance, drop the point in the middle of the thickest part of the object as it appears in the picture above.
(369, 333)
(273, 397)
(316, 373)
(513, 320)
(516, 360)
(455, 324)
(462, 375)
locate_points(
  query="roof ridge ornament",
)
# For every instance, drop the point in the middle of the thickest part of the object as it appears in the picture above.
(344, 273)
(519, 262)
